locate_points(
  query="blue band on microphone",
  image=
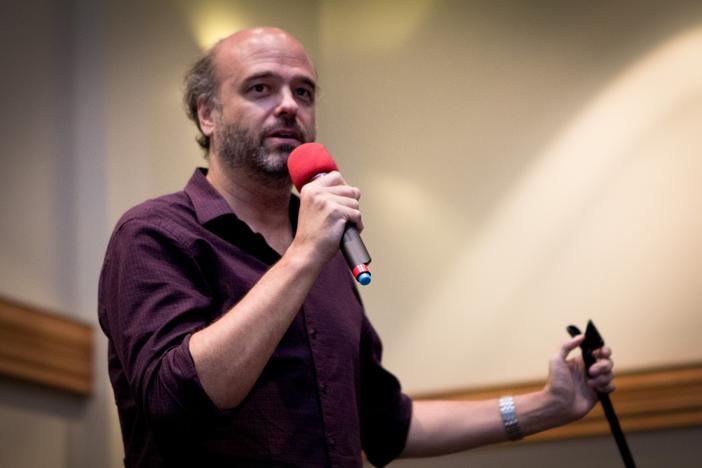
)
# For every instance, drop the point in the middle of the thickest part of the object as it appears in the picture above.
(364, 278)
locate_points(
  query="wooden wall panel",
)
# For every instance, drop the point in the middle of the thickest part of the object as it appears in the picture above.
(41, 347)
(644, 400)
(56, 351)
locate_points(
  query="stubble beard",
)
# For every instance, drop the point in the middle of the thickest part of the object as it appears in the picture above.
(241, 149)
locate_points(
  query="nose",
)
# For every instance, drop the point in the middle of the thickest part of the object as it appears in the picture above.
(288, 105)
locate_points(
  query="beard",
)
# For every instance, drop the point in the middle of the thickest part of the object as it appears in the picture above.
(242, 149)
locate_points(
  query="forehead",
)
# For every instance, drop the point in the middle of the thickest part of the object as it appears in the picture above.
(265, 53)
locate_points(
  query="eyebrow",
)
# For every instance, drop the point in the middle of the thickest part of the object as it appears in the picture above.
(268, 75)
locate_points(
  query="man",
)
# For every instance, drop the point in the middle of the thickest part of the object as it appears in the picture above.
(236, 334)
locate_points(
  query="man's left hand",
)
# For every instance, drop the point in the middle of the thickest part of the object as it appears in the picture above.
(567, 385)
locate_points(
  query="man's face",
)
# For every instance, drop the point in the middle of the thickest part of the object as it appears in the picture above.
(266, 105)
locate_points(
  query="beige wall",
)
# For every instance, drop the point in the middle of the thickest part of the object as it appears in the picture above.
(524, 165)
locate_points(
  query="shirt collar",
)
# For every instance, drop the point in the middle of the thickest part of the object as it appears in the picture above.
(206, 200)
(209, 204)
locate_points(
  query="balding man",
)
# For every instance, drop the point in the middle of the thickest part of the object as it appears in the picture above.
(236, 334)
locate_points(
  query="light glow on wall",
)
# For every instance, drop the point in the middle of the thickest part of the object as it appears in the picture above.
(371, 26)
(604, 225)
(213, 20)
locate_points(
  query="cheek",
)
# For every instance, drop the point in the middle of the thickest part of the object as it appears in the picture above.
(242, 110)
(308, 119)
(251, 120)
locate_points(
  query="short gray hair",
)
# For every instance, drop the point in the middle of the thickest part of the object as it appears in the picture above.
(201, 82)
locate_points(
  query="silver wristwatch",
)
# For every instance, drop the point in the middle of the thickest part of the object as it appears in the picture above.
(509, 418)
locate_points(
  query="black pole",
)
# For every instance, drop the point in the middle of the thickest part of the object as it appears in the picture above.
(616, 430)
(593, 340)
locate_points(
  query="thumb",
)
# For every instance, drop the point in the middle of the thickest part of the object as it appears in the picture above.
(569, 346)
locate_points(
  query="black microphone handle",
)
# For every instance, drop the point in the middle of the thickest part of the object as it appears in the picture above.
(352, 247)
(593, 340)
(355, 252)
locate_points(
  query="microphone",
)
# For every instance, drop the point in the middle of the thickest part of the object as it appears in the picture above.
(309, 161)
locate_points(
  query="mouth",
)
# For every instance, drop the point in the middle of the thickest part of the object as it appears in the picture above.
(286, 135)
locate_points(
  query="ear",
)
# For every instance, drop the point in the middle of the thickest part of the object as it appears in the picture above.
(205, 117)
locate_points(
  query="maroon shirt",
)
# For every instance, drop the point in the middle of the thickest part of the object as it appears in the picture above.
(175, 264)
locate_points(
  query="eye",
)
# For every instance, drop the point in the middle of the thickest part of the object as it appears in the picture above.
(304, 93)
(259, 88)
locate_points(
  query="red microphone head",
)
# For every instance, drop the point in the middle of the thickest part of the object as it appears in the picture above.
(307, 161)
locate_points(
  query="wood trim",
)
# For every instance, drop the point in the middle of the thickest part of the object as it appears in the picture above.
(42, 347)
(644, 400)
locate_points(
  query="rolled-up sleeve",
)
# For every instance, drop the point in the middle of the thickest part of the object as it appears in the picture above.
(153, 296)
(385, 411)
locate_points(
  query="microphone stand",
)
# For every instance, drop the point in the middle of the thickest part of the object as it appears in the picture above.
(593, 340)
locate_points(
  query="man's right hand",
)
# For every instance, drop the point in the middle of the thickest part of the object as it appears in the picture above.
(327, 204)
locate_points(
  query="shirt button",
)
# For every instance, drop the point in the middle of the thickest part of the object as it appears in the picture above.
(331, 441)
(313, 333)
(323, 388)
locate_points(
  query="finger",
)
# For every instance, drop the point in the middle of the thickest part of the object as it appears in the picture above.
(353, 216)
(331, 184)
(344, 191)
(338, 208)
(329, 179)
(603, 375)
(601, 384)
(321, 193)
(359, 223)
(603, 366)
(609, 388)
(569, 346)
(600, 381)
(603, 352)
(603, 388)
(336, 183)
(343, 207)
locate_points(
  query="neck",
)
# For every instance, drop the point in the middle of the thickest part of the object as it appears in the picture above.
(264, 207)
